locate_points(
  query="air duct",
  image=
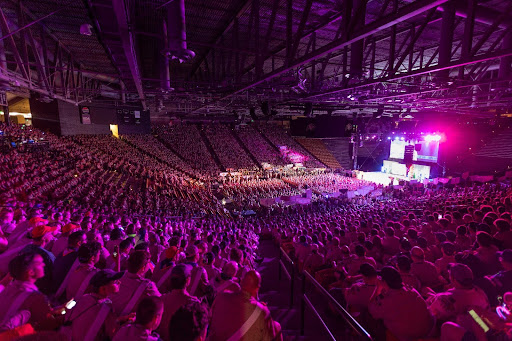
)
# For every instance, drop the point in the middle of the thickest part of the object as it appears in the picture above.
(176, 32)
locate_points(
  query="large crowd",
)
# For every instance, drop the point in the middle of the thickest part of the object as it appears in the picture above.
(109, 239)
(277, 136)
(260, 148)
(412, 266)
(226, 147)
(186, 140)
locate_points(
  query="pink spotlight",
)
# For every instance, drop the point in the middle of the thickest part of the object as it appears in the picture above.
(431, 138)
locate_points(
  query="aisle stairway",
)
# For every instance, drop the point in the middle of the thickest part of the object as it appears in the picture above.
(175, 167)
(244, 147)
(168, 146)
(317, 148)
(210, 148)
(276, 293)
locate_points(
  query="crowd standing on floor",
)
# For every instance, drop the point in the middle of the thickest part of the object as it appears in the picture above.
(104, 245)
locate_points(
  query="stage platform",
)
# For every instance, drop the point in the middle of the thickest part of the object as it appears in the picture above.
(383, 178)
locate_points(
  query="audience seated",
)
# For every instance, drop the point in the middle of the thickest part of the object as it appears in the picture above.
(138, 237)
(186, 140)
(227, 148)
(260, 148)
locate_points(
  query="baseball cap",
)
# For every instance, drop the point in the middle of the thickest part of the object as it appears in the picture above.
(37, 221)
(191, 250)
(69, 227)
(41, 230)
(104, 277)
(367, 270)
(171, 252)
(181, 271)
(461, 273)
(392, 277)
(506, 255)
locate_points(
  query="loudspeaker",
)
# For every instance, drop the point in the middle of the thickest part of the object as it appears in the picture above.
(409, 154)
(265, 108)
(252, 113)
(417, 147)
(308, 110)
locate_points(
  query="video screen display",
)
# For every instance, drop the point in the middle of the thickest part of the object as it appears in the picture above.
(428, 150)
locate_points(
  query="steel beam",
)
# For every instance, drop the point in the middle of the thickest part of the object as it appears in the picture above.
(403, 14)
(506, 62)
(289, 31)
(300, 30)
(414, 38)
(275, 8)
(446, 39)
(12, 44)
(258, 60)
(467, 38)
(241, 10)
(357, 48)
(424, 71)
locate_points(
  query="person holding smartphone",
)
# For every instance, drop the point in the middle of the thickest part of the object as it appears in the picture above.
(93, 316)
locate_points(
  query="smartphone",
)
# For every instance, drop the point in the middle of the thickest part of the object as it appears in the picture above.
(479, 321)
(439, 216)
(70, 304)
(116, 251)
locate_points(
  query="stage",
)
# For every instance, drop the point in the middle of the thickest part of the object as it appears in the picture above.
(384, 178)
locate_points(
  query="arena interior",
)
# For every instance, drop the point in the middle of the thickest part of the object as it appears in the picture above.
(199, 170)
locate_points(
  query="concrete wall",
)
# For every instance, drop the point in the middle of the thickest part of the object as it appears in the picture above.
(63, 118)
(45, 116)
(70, 124)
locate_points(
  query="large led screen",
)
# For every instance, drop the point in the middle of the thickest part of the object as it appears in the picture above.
(428, 150)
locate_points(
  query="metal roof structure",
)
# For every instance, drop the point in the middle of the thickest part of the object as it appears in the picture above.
(211, 57)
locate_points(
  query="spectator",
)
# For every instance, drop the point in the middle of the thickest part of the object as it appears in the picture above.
(358, 295)
(177, 297)
(41, 237)
(189, 323)
(162, 273)
(226, 280)
(149, 315)
(134, 287)
(446, 306)
(243, 306)
(199, 277)
(80, 276)
(23, 295)
(403, 310)
(66, 261)
(93, 317)
(503, 279)
(404, 268)
(425, 271)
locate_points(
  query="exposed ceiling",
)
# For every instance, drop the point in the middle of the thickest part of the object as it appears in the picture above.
(447, 55)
